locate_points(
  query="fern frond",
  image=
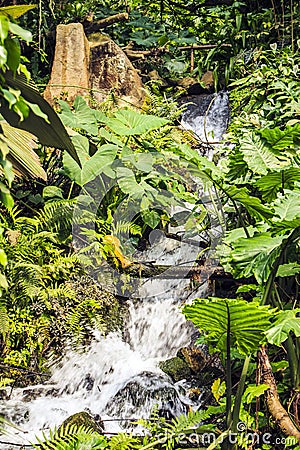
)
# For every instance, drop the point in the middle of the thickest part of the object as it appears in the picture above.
(126, 227)
(122, 441)
(28, 278)
(71, 437)
(4, 320)
(58, 217)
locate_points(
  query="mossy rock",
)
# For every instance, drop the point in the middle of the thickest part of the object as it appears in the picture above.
(81, 419)
(176, 368)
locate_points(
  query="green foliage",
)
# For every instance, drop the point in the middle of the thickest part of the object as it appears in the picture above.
(286, 321)
(72, 437)
(246, 323)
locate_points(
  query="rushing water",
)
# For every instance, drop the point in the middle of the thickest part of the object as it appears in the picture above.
(118, 376)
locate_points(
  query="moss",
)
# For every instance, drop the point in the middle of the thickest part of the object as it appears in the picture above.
(81, 419)
(176, 368)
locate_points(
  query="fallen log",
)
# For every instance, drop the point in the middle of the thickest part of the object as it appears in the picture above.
(200, 273)
(92, 27)
(141, 54)
(274, 406)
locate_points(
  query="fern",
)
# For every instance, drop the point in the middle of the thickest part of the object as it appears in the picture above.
(126, 227)
(170, 432)
(71, 437)
(123, 441)
(4, 320)
(57, 216)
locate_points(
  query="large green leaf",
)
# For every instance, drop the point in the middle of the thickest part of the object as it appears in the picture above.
(286, 321)
(248, 321)
(51, 133)
(259, 157)
(21, 145)
(246, 256)
(272, 183)
(16, 11)
(251, 203)
(92, 166)
(128, 122)
(81, 117)
(282, 140)
(288, 270)
(127, 182)
(256, 255)
(287, 211)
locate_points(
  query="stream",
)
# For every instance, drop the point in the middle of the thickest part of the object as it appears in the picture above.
(118, 376)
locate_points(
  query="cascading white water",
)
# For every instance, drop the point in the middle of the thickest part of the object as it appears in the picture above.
(92, 378)
(207, 116)
(118, 375)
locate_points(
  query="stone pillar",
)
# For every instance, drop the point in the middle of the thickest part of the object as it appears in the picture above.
(111, 71)
(70, 71)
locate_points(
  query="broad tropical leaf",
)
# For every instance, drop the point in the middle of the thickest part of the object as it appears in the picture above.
(16, 11)
(128, 183)
(248, 321)
(21, 145)
(269, 185)
(52, 132)
(92, 166)
(128, 123)
(251, 203)
(288, 270)
(286, 321)
(287, 211)
(256, 255)
(259, 157)
(80, 117)
(282, 140)
(247, 256)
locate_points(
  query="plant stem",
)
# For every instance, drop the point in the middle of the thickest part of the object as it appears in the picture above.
(293, 362)
(228, 373)
(239, 394)
(71, 189)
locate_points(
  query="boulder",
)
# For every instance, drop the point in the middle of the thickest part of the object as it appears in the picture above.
(208, 80)
(70, 74)
(194, 358)
(112, 72)
(84, 419)
(191, 86)
(93, 69)
(176, 368)
(142, 393)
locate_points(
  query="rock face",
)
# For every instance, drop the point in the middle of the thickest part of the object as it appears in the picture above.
(70, 74)
(92, 69)
(142, 393)
(83, 419)
(112, 72)
(176, 368)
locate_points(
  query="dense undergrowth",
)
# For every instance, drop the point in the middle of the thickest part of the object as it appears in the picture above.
(145, 159)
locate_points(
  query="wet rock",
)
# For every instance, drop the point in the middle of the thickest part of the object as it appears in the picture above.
(153, 75)
(208, 80)
(82, 419)
(176, 368)
(142, 393)
(70, 74)
(191, 86)
(30, 394)
(112, 72)
(4, 395)
(194, 358)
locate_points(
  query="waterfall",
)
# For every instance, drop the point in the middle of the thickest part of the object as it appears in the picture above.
(117, 376)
